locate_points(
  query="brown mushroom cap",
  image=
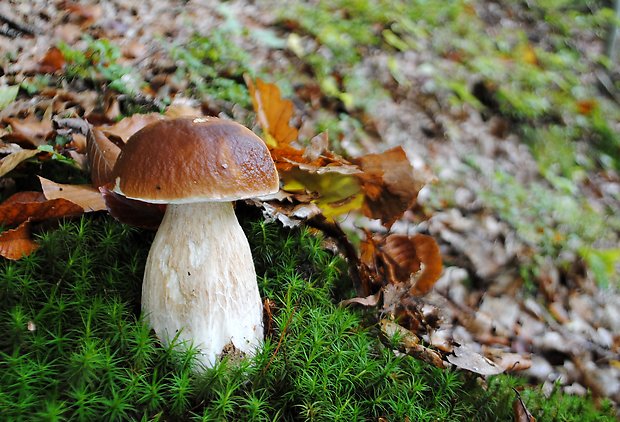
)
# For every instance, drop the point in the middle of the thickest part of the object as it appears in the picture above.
(194, 160)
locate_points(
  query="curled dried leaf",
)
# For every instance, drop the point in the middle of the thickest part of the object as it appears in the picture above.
(16, 243)
(466, 358)
(427, 251)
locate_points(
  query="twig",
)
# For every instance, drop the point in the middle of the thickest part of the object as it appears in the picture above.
(275, 352)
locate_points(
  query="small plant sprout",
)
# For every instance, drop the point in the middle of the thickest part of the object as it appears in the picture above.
(199, 281)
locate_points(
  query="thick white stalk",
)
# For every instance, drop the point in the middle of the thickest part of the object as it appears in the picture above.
(200, 281)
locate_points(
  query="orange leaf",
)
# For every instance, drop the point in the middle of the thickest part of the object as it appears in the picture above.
(586, 107)
(85, 196)
(429, 255)
(53, 61)
(16, 243)
(102, 154)
(273, 112)
(414, 258)
(28, 206)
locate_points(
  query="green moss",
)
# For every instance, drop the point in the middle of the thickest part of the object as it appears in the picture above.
(74, 347)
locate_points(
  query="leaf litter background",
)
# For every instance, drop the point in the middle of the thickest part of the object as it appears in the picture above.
(529, 242)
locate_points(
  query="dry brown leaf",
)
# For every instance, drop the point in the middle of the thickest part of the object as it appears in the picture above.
(36, 208)
(87, 197)
(388, 183)
(400, 259)
(130, 211)
(11, 161)
(369, 301)
(466, 358)
(273, 112)
(102, 154)
(129, 125)
(427, 251)
(16, 243)
(182, 109)
(29, 131)
(410, 343)
(53, 61)
(318, 146)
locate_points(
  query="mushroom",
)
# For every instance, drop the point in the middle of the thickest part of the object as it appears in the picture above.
(199, 280)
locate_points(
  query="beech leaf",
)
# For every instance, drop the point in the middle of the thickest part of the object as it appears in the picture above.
(400, 259)
(16, 243)
(87, 197)
(273, 112)
(466, 358)
(36, 208)
(29, 131)
(53, 61)
(12, 160)
(388, 183)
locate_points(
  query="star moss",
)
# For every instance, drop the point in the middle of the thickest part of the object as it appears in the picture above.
(73, 346)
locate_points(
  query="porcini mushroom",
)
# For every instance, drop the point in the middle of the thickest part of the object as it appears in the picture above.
(199, 280)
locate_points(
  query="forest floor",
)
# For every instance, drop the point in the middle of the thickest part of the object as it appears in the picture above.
(509, 111)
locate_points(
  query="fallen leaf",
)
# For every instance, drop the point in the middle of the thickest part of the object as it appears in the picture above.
(522, 414)
(586, 107)
(369, 301)
(53, 61)
(131, 211)
(333, 193)
(429, 255)
(87, 197)
(388, 183)
(466, 358)
(102, 154)
(8, 93)
(29, 131)
(33, 205)
(16, 243)
(272, 112)
(129, 125)
(11, 161)
(182, 108)
(410, 343)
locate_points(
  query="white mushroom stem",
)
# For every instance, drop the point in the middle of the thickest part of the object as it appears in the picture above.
(200, 281)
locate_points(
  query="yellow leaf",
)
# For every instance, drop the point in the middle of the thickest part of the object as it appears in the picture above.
(273, 112)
